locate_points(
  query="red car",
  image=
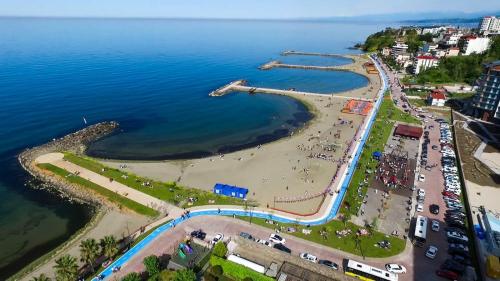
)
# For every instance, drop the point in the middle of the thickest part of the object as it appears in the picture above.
(449, 194)
(450, 275)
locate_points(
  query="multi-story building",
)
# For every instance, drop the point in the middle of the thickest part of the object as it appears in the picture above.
(424, 62)
(486, 101)
(399, 48)
(472, 44)
(452, 39)
(429, 47)
(489, 24)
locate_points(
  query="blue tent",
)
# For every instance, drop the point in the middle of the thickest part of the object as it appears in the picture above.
(377, 155)
(230, 190)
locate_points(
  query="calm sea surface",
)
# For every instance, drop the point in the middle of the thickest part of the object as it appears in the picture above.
(152, 76)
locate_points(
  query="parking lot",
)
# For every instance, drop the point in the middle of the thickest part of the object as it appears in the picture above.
(433, 182)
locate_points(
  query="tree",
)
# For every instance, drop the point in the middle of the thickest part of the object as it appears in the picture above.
(185, 275)
(152, 264)
(66, 268)
(109, 246)
(217, 270)
(41, 277)
(220, 249)
(132, 276)
(89, 252)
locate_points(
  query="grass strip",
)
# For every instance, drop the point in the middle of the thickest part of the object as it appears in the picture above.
(167, 191)
(236, 271)
(110, 195)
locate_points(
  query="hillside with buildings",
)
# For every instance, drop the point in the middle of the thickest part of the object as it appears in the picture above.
(446, 58)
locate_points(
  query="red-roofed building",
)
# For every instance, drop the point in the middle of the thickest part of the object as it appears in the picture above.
(408, 131)
(437, 97)
(424, 62)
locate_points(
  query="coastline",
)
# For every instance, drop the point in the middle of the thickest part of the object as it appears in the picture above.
(26, 157)
(76, 142)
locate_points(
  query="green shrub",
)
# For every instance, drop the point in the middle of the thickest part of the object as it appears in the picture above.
(220, 249)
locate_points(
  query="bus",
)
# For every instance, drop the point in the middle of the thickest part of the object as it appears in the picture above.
(246, 263)
(368, 273)
(420, 235)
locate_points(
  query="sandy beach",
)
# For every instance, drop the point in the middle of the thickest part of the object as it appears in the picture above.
(290, 169)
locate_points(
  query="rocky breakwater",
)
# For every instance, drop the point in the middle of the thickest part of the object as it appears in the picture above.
(75, 142)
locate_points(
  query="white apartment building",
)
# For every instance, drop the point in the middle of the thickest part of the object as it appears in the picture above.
(472, 44)
(489, 24)
(399, 48)
(424, 62)
(452, 39)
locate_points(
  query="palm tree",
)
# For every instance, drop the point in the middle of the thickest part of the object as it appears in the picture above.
(41, 277)
(66, 268)
(89, 252)
(109, 246)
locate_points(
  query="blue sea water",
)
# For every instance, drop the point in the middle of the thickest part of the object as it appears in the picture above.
(152, 76)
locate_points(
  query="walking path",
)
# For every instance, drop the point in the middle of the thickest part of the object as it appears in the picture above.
(57, 159)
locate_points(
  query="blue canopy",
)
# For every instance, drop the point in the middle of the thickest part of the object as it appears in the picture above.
(230, 190)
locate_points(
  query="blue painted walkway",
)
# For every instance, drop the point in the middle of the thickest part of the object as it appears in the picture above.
(107, 272)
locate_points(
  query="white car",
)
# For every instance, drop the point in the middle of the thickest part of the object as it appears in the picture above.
(395, 268)
(421, 192)
(456, 235)
(435, 225)
(421, 178)
(264, 242)
(431, 252)
(420, 208)
(275, 238)
(308, 257)
(218, 237)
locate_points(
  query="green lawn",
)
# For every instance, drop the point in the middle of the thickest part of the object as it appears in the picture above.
(167, 191)
(418, 102)
(348, 243)
(110, 195)
(377, 139)
(236, 271)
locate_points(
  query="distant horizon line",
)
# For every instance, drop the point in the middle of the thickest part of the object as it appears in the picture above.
(353, 18)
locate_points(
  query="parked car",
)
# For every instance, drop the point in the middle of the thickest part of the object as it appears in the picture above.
(435, 225)
(282, 248)
(246, 235)
(264, 242)
(454, 266)
(395, 268)
(420, 208)
(199, 234)
(218, 237)
(275, 238)
(431, 252)
(308, 257)
(450, 275)
(330, 264)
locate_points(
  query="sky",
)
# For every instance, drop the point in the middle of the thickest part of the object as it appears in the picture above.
(244, 9)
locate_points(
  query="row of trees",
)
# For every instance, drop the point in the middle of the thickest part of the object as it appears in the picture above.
(66, 267)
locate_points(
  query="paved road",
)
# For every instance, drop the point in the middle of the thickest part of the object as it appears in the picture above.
(166, 243)
(433, 186)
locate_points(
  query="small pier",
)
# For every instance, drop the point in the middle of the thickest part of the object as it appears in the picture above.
(298, 53)
(239, 86)
(275, 63)
(227, 88)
